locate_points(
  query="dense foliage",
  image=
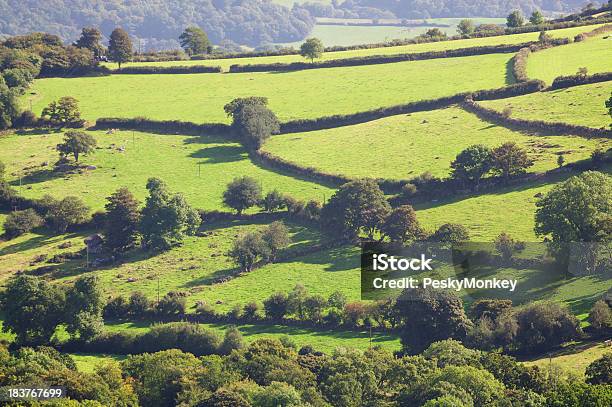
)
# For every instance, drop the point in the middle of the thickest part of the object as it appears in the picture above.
(159, 24)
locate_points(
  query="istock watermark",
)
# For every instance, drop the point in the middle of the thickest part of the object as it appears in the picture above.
(476, 270)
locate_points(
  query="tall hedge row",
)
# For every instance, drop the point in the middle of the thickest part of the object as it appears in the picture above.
(164, 126)
(328, 122)
(132, 70)
(536, 126)
(577, 80)
(380, 59)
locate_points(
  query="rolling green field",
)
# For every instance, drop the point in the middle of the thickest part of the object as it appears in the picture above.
(402, 147)
(174, 159)
(574, 358)
(293, 95)
(225, 63)
(580, 105)
(567, 59)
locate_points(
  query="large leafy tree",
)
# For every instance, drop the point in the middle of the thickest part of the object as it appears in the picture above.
(63, 112)
(166, 218)
(472, 164)
(515, 19)
(536, 18)
(577, 210)
(357, 206)
(402, 225)
(252, 120)
(122, 218)
(510, 159)
(76, 143)
(120, 46)
(466, 27)
(312, 48)
(429, 316)
(9, 106)
(90, 38)
(248, 249)
(83, 309)
(242, 193)
(195, 41)
(32, 309)
(609, 106)
(62, 214)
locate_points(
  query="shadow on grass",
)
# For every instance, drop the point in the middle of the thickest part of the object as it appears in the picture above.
(220, 154)
(34, 242)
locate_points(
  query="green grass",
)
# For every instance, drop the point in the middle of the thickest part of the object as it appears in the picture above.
(594, 53)
(573, 358)
(225, 63)
(321, 273)
(303, 94)
(322, 340)
(88, 362)
(190, 267)
(405, 146)
(174, 159)
(580, 105)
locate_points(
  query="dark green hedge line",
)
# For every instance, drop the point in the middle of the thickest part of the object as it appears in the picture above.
(187, 337)
(381, 59)
(328, 122)
(165, 126)
(577, 80)
(536, 126)
(168, 69)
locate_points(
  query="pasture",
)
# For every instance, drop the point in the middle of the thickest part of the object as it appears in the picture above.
(198, 167)
(293, 95)
(595, 54)
(225, 63)
(402, 147)
(580, 105)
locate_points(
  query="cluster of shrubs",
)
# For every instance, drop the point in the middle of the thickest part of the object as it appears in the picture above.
(540, 126)
(160, 56)
(379, 59)
(191, 69)
(57, 215)
(188, 337)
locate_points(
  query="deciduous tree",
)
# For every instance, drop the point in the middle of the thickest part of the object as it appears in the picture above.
(472, 164)
(120, 46)
(242, 193)
(195, 41)
(357, 206)
(510, 159)
(312, 48)
(76, 143)
(122, 218)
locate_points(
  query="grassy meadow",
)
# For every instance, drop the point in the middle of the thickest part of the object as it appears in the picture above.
(293, 95)
(580, 105)
(595, 54)
(225, 63)
(574, 357)
(401, 147)
(198, 167)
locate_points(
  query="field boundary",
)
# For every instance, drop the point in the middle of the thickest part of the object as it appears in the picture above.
(386, 59)
(562, 82)
(174, 70)
(329, 122)
(533, 126)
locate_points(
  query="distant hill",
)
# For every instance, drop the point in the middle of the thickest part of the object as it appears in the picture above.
(159, 23)
(412, 9)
